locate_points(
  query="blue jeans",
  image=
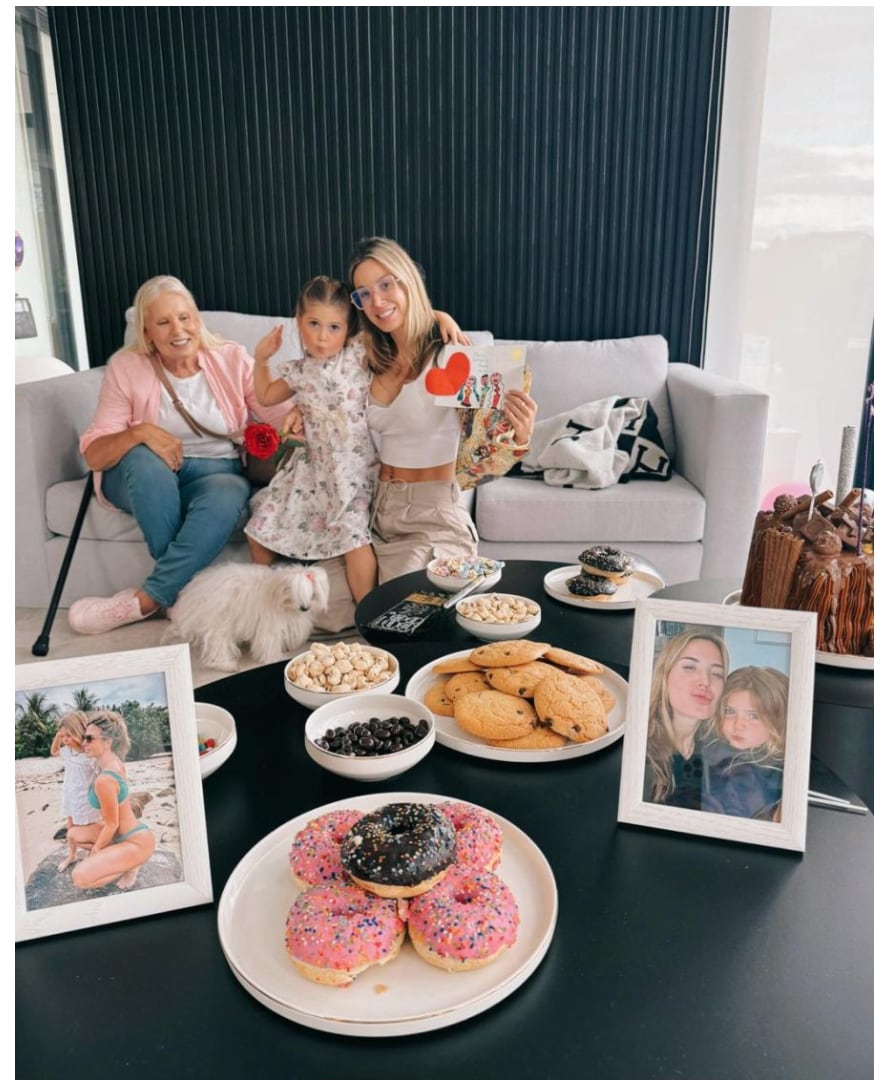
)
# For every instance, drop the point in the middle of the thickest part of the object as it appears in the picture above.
(186, 517)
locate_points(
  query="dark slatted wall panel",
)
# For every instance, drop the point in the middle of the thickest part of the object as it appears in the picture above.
(552, 169)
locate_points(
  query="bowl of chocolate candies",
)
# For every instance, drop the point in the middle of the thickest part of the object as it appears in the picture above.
(452, 573)
(328, 672)
(369, 737)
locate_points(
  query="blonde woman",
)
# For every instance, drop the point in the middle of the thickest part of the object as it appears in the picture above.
(687, 684)
(417, 505)
(119, 843)
(187, 492)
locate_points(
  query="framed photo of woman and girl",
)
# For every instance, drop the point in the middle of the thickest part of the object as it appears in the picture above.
(109, 805)
(718, 727)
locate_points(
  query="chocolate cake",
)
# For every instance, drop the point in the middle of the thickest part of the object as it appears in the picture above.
(805, 556)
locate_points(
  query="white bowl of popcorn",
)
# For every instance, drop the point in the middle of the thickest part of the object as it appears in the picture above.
(491, 617)
(327, 672)
(454, 572)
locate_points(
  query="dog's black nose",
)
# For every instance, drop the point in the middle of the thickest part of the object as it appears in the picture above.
(305, 609)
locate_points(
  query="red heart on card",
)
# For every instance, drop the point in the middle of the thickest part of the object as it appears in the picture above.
(449, 379)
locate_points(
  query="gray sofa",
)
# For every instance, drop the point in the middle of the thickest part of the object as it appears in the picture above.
(695, 525)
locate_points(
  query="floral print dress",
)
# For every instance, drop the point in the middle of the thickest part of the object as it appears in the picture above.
(318, 505)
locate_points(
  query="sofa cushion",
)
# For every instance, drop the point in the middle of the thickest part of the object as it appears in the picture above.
(511, 509)
(568, 373)
(101, 523)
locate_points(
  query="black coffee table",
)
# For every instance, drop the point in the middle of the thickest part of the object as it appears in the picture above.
(673, 956)
(604, 634)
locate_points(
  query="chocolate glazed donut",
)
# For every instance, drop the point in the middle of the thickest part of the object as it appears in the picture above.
(399, 850)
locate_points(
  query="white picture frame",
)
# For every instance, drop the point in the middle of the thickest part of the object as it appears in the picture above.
(146, 687)
(758, 642)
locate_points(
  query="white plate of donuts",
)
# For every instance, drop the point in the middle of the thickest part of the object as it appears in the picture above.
(403, 995)
(643, 581)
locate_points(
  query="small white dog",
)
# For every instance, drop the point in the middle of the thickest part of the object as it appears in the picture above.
(270, 610)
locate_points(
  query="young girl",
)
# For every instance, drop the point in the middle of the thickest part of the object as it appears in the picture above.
(744, 762)
(318, 505)
(80, 775)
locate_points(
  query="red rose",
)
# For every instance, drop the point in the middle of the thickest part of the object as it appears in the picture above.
(261, 440)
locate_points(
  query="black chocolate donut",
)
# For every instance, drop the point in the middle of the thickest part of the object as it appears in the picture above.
(399, 850)
(606, 560)
(591, 586)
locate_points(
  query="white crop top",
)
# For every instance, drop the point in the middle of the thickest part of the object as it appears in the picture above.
(413, 432)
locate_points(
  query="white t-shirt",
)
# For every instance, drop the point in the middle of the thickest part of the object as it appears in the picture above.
(195, 394)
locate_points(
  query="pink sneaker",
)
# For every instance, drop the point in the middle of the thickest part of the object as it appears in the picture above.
(93, 616)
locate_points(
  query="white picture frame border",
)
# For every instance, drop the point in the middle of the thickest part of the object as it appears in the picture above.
(196, 887)
(789, 833)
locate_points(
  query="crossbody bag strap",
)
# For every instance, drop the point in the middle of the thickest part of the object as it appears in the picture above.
(198, 429)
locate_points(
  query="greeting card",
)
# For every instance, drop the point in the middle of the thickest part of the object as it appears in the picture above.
(476, 376)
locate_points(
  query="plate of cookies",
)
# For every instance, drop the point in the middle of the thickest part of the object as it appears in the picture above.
(522, 701)
(286, 909)
(605, 578)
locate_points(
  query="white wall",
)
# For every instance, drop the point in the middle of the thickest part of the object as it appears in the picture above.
(791, 302)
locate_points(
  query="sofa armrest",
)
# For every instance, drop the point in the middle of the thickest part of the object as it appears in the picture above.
(720, 429)
(49, 417)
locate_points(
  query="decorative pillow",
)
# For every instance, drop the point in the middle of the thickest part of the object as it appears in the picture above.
(640, 438)
(597, 444)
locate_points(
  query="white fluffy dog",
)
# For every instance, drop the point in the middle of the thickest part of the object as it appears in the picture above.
(270, 610)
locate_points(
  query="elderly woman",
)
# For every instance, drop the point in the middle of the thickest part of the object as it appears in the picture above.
(417, 505)
(187, 491)
(687, 684)
(119, 843)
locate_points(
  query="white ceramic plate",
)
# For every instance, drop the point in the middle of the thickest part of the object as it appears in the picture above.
(825, 658)
(405, 996)
(642, 583)
(450, 734)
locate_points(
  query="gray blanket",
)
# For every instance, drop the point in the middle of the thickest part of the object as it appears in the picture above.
(579, 448)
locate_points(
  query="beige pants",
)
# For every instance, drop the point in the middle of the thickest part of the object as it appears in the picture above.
(410, 520)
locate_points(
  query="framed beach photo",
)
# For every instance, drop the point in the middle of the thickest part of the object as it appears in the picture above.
(109, 805)
(718, 723)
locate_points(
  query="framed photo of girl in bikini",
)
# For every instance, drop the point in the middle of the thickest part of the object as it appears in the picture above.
(718, 722)
(109, 805)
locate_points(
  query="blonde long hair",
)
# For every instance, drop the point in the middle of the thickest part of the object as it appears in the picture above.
(770, 691)
(662, 739)
(422, 333)
(146, 295)
(111, 725)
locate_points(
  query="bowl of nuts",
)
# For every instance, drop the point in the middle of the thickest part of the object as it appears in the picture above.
(328, 672)
(454, 572)
(369, 736)
(491, 617)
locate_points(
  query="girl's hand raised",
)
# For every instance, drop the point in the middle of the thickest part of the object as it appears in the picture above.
(269, 345)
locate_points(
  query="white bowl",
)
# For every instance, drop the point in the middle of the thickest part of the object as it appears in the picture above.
(493, 631)
(216, 723)
(359, 709)
(457, 582)
(311, 698)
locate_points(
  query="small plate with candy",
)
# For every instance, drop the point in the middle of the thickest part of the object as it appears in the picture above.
(455, 572)
(216, 736)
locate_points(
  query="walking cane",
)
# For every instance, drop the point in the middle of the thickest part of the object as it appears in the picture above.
(41, 644)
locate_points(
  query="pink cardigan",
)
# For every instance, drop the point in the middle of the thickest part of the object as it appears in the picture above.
(130, 394)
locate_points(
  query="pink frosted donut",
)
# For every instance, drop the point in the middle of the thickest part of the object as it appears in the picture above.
(479, 841)
(467, 920)
(314, 855)
(335, 931)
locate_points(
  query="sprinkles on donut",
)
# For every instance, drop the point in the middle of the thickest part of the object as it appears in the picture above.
(467, 920)
(314, 853)
(591, 586)
(606, 561)
(399, 850)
